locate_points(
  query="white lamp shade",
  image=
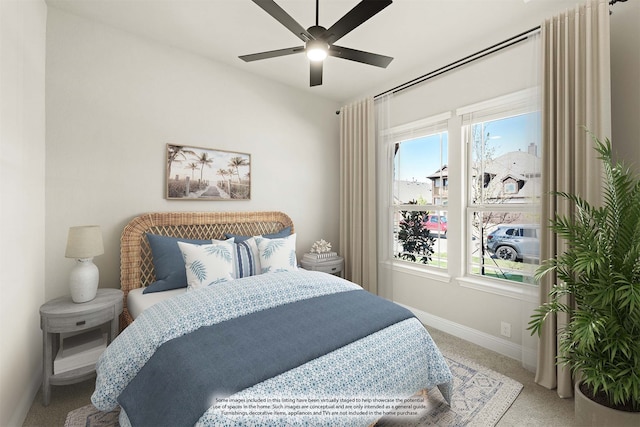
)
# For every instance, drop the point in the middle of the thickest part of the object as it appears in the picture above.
(84, 242)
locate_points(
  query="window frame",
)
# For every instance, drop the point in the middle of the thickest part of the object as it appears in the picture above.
(514, 104)
(413, 130)
(453, 122)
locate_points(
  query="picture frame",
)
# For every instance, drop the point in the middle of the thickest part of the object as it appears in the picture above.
(196, 173)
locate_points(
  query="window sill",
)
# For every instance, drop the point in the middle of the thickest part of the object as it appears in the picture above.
(520, 292)
(416, 270)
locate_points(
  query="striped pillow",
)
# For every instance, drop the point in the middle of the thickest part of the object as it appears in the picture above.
(247, 262)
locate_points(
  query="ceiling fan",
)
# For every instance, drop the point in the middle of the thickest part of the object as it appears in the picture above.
(319, 41)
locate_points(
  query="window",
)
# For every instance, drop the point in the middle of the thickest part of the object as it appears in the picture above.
(496, 176)
(503, 180)
(510, 188)
(420, 192)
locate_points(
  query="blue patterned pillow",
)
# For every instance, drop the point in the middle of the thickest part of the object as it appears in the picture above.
(280, 234)
(207, 265)
(277, 254)
(168, 263)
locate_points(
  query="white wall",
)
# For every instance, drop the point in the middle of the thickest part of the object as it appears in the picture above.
(22, 253)
(115, 100)
(625, 89)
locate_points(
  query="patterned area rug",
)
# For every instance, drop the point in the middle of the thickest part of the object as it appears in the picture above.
(89, 416)
(481, 396)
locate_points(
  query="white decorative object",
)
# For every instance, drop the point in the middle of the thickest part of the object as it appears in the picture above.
(321, 246)
(84, 243)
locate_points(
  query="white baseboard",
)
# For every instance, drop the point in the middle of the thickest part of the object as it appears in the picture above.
(515, 351)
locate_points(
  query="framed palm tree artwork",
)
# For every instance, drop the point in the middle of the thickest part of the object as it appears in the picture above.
(195, 173)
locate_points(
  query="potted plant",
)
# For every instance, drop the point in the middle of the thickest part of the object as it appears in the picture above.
(600, 272)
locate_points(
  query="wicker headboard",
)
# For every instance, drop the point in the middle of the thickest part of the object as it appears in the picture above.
(136, 262)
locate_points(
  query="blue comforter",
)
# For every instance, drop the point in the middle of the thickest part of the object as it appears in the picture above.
(397, 360)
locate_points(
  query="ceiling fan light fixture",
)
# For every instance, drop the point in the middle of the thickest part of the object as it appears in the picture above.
(317, 50)
(319, 42)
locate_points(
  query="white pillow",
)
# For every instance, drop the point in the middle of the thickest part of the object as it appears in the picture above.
(277, 254)
(207, 264)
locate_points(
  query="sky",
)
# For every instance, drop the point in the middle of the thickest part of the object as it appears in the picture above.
(421, 157)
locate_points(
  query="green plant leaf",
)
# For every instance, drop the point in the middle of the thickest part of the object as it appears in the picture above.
(597, 283)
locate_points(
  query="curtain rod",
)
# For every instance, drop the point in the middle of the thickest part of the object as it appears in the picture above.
(468, 59)
(463, 61)
(460, 62)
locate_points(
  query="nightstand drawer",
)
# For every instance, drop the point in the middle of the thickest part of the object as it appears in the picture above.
(327, 267)
(333, 266)
(78, 322)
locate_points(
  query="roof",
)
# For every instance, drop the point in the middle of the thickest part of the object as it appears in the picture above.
(442, 172)
(515, 162)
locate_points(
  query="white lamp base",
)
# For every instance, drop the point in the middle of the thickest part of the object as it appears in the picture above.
(83, 281)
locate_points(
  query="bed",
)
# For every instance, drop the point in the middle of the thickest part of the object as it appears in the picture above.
(265, 343)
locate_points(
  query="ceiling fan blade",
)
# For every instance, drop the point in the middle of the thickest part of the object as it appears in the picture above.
(315, 78)
(356, 16)
(360, 56)
(272, 54)
(284, 18)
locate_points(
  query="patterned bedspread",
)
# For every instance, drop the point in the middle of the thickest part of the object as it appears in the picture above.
(397, 361)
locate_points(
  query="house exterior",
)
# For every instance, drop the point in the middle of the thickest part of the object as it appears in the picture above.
(513, 177)
(440, 184)
(406, 191)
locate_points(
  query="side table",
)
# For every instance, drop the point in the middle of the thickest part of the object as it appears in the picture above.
(332, 265)
(62, 315)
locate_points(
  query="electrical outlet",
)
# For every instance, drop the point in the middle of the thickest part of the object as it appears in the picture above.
(505, 329)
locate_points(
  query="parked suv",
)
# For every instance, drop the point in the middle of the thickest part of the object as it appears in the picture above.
(515, 242)
(436, 224)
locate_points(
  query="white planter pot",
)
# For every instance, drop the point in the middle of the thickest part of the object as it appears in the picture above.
(590, 413)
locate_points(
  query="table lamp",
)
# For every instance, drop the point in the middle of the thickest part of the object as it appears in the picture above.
(83, 243)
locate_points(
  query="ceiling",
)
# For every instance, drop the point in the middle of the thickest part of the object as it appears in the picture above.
(421, 35)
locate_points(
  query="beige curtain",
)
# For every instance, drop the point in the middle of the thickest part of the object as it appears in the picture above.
(358, 193)
(576, 96)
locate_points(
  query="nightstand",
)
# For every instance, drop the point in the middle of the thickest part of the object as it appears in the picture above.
(332, 265)
(61, 316)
